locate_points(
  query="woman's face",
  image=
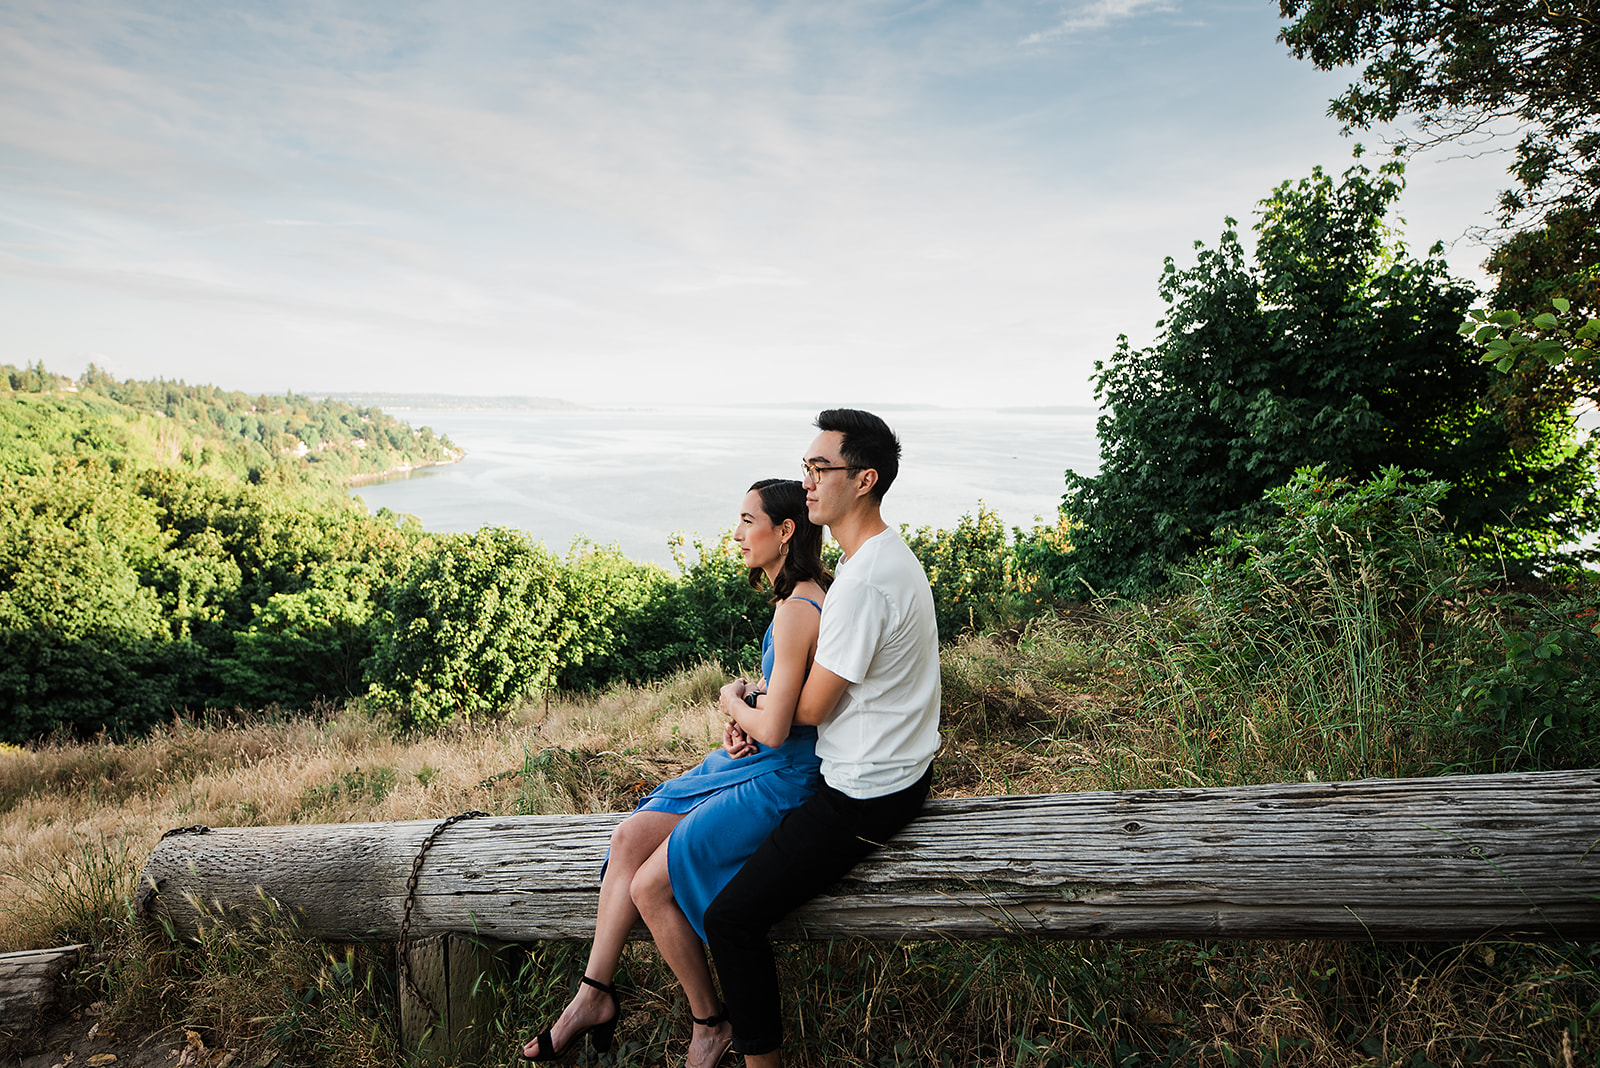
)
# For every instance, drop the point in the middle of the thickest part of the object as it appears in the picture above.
(760, 542)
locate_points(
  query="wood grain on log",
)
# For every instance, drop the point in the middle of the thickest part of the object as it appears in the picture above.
(1514, 855)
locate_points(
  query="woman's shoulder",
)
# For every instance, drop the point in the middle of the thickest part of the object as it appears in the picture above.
(806, 597)
(807, 593)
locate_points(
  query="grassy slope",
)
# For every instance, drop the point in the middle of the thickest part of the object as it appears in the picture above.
(1056, 710)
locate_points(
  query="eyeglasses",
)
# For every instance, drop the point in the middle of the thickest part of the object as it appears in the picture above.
(815, 471)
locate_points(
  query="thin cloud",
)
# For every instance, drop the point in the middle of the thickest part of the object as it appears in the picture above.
(1098, 15)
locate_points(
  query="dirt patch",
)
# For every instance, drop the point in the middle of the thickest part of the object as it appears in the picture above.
(80, 1040)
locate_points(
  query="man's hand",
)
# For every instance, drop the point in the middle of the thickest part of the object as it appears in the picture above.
(736, 741)
(732, 698)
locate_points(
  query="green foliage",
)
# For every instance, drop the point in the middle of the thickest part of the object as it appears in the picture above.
(1552, 353)
(472, 627)
(160, 553)
(979, 581)
(1540, 704)
(253, 436)
(202, 429)
(1334, 348)
(606, 597)
(709, 612)
(127, 592)
(1558, 258)
(30, 379)
(302, 647)
(82, 638)
(1335, 543)
(1329, 636)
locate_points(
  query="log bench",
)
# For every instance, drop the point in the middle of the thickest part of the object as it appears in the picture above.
(1449, 858)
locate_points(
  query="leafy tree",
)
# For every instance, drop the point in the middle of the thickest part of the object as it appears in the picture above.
(302, 647)
(607, 618)
(1334, 347)
(662, 622)
(82, 639)
(1467, 72)
(1469, 69)
(1550, 353)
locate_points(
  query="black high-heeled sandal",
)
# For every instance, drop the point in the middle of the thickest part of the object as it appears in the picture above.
(602, 1031)
(712, 1021)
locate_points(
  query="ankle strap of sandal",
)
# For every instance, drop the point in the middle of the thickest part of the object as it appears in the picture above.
(598, 985)
(711, 1021)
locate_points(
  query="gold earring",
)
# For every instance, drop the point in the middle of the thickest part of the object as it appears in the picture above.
(783, 548)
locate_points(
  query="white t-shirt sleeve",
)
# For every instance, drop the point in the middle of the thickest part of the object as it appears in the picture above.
(859, 620)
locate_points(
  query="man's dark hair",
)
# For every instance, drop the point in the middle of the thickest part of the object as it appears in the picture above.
(868, 442)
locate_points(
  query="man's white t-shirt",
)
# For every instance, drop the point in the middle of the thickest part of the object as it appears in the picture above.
(878, 633)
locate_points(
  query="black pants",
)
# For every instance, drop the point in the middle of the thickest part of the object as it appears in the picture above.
(808, 852)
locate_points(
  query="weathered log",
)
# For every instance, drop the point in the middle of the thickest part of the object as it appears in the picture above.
(1513, 855)
(28, 984)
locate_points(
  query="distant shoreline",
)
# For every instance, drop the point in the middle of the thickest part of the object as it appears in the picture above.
(402, 471)
(392, 402)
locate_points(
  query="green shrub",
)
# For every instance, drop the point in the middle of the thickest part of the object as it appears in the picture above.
(979, 582)
(707, 612)
(1337, 550)
(606, 595)
(473, 627)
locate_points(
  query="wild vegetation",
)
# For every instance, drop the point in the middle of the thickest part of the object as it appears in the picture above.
(1103, 697)
(166, 548)
(1350, 636)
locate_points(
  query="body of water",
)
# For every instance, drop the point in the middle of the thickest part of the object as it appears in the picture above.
(633, 478)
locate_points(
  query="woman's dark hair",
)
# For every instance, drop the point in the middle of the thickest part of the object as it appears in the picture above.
(867, 442)
(785, 498)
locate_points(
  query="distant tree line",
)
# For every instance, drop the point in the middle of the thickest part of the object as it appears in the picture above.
(162, 551)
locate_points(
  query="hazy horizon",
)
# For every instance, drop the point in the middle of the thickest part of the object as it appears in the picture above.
(627, 203)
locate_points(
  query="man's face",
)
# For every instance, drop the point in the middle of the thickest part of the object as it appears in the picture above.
(829, 494)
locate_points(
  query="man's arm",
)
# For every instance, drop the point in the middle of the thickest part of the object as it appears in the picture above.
(820, 697)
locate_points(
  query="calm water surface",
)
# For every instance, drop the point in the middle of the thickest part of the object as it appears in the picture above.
(633, 478)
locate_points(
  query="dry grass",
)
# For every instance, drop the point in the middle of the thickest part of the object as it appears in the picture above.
(76, 820)
(1054, 706)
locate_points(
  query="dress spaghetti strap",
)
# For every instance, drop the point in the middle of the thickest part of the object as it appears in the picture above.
(807, 600)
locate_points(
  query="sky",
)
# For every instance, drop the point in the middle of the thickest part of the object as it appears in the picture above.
(641, 203)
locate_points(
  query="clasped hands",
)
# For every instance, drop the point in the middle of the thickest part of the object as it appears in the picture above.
(734, 739)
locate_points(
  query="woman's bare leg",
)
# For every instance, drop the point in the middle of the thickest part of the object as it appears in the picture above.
(632, 844)
(680, 947)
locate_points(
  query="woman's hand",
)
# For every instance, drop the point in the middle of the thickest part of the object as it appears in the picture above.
(734, 738)
(736, 741)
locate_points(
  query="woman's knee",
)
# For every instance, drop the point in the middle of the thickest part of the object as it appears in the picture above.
(632, 842)
(651, 885)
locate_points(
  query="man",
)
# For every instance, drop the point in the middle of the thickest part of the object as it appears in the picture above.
(873, 694)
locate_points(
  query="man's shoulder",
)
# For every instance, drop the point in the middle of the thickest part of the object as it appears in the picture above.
(892, 560)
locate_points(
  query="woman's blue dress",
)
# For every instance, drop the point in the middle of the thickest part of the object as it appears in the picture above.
(731, 806)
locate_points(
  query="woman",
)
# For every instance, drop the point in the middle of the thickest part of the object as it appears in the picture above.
(683, 843)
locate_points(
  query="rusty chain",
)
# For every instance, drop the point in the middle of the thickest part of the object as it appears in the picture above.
(411, 897)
